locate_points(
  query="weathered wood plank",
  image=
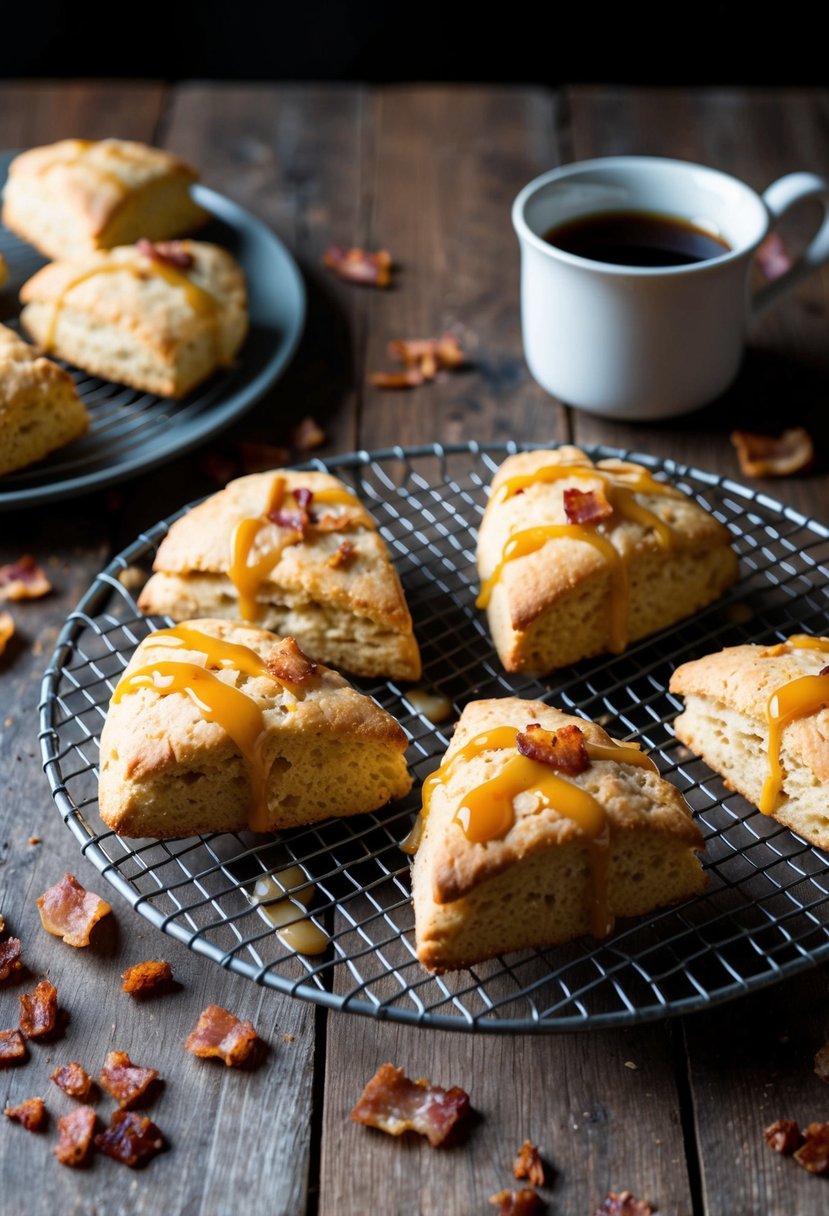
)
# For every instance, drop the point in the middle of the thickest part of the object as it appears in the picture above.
(447, 165)
(758, 136)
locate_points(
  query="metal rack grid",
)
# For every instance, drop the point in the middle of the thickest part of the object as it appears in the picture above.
(765, 914)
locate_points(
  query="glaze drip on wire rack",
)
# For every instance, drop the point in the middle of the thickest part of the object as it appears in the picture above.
(764, 916)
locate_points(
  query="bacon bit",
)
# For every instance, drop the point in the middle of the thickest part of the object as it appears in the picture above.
(74, 1080)
(296, 521)
(32, 1114)
(125, 1081)
(586, 506)
(783, 1136)
(343, 556)
(410, 378)
(303, 497)
(359, 266)
(6, 630)
(288, 664)
(34, 840)
(69, 911)
(131, 1139)
(75, 1132)
(219, 1033)
(394, 1104)
(307, 435)
(518, 1203)
(262, 457)
(168, 253)
(10, 962)
(23, 580)
(772, 257)
(813, 1154)
(154, 975)
(563, 749)
(623, 1204)
(39, 1010)
(767, 456)
(329, 522)
(13, 1049)
(528, 1164)
(428, 354)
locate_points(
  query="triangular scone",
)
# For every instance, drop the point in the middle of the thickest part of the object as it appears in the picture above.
(299, 554)
(577, 558)
(77, 195)
(160, 317)
(40, 409)
(517, 851)
(759, 716)
(217, 726)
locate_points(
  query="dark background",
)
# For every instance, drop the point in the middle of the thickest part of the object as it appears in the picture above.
(374, 41)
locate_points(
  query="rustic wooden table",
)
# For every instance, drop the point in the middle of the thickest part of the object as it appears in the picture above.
(431, 173)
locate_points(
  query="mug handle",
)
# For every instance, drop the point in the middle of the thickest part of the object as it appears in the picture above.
(779, 198)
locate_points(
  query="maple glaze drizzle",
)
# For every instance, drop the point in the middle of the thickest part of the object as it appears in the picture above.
(286, 913)
(247, 576)
(619, 485)
(799, 698)
(200, 301)
(487, 812)
(217, 701)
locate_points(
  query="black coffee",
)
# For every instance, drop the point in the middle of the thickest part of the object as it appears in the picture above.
(636, 238)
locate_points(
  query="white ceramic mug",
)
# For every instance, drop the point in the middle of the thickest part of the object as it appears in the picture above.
(649, 342)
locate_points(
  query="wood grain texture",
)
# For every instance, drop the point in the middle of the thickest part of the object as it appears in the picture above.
(758, 136)
(446, 166)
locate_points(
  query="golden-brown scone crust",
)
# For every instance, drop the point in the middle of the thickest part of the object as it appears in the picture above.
(167, 771)
(352, 615)
(75, 196)
(552, 607)
(40, 410)
(530, 888)
(125, 316)
(725, 722)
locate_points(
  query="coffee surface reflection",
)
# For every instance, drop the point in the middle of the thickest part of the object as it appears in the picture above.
(637, 238)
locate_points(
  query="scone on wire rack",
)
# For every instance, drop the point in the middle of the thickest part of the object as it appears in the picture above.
(216, 727)
(539, 828)
(40, 409)
(161, 317)
(78, 195)
(577, 558)
(296, 552)
(759, 716)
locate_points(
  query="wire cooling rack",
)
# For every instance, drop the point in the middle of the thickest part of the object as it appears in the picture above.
(765, 914)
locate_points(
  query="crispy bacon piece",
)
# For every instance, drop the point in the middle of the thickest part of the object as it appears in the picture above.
(772, 257)
(125, 1081)
(304, 497)
(23, 580)
(359, 266)
(6, 630)
(69, 911)
(783, 1136)
(154, 975)
(74, 1080)
(422, 359)
(768, 456)
(32, 1114)
(343, 555)
(168, 253)
(330, 522)
(623, 1203)
(307, 435)
(518, 1203)
(13, 1049)
(528, 1164)
(131, 1139)
(288, 663)
(410, 378)
(75, 1132)
(220, 1033)
(563, 749)
(39, 1010)
(10, 962)
(296, 521)
(261, 457)
(394, 1104)
(586, 506)
(813, 1154)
